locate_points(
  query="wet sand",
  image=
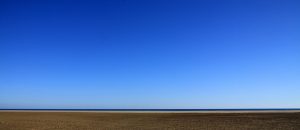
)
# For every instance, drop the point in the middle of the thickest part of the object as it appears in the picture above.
(211, 120)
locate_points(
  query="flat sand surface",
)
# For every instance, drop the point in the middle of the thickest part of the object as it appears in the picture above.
(29, 120)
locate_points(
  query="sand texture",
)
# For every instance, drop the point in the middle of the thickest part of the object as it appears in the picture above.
(145, 121)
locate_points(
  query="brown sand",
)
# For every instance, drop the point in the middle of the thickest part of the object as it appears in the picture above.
(171, 121)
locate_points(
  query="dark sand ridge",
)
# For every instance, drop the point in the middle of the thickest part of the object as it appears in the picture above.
(20, 120)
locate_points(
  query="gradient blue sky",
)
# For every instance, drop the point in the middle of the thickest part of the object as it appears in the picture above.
(150, 54)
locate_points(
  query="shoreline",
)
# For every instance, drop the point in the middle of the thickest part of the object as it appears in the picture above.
(214, 111)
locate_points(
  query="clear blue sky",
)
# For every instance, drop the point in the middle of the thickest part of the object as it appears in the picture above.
(150, 54)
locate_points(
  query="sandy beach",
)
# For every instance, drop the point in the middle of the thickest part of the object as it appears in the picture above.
(217, 120)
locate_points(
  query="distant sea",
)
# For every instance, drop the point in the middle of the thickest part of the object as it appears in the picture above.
(262, 109)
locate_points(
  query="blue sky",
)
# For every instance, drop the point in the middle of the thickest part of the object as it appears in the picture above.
(150, 54)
